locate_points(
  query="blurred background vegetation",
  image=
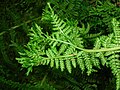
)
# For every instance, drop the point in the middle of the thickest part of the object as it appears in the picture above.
(17, 17)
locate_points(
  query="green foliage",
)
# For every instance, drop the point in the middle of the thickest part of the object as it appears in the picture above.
(64, 47)
(16, 85)
(72, 45)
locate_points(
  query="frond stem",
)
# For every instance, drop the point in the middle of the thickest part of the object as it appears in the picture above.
(87, 50)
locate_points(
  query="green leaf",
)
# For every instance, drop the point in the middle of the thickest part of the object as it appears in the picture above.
(103, 59)
(62, 48)
(62, 66)
(29, 70)
(57, 63)
(52, 62)
(80, 62)
(73, 63)
(68, 65)
(48, 61)
(43, 62)
(54, 44)
(49, 53)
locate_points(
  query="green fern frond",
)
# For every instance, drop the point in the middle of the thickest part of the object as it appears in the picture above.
(114, 61)
(80, 61)
(88, 63)
(111, 58)
(116, 29)
(53, 49)
(64, 48)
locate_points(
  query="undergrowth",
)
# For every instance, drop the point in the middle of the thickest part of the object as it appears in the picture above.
(66, 44)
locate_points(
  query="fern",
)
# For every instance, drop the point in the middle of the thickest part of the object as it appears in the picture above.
(63, 47)
(66, 38)
(111, 58)
(114, 59)
(16, 85)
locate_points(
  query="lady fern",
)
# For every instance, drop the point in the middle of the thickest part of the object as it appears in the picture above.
(64, 47)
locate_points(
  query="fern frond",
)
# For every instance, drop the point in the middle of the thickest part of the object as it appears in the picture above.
(64, 48)
(57, 49)
(114, 61)
(67, 34)
(116, 29)
(111, 58)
